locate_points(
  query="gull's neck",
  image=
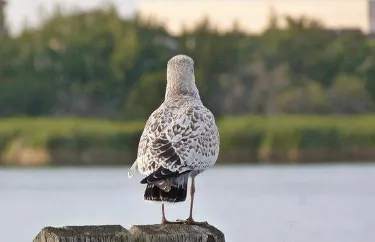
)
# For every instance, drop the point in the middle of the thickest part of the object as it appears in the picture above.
(178, 88)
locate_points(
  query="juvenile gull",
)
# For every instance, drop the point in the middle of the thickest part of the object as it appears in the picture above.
(180, 140)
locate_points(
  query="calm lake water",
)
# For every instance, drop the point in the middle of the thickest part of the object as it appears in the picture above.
(270, 203)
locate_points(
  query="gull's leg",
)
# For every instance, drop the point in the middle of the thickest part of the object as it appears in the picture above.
(192, 192)
(190, 219)
(163, 219)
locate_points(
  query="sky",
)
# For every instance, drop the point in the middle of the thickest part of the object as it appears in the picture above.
(21, 11)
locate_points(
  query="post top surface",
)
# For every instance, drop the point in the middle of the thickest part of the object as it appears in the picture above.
(90, 230)
(157, 233)
(178, 229)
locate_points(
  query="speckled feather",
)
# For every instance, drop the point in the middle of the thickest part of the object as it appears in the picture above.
(181, 135)
(189, 128)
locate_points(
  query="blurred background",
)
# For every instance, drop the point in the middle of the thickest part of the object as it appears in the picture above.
(291, 83)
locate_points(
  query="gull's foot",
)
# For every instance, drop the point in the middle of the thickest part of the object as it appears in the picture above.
(164, 221)
(190, 221)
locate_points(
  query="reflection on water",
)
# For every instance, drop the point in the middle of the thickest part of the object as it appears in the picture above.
(307, 203)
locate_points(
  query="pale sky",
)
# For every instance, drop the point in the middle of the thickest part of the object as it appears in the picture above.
(21, 11)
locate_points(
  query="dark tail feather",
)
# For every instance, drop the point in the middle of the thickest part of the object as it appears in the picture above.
(162, 173)
(154, 193)
(177, 193)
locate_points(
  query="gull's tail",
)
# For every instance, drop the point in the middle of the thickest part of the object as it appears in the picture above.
(176, 193)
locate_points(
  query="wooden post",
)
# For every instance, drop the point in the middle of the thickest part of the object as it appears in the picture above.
(137, 233)
(105, 233)
(176, 233)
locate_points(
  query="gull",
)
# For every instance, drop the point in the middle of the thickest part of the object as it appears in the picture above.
(180, 140)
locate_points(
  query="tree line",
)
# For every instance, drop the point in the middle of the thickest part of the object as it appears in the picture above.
(97, 64)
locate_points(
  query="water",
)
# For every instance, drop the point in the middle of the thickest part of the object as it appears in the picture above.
(262, 204)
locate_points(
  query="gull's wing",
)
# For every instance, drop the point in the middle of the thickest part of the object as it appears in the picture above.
(177, 140)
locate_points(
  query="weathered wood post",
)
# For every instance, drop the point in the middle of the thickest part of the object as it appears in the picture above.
(137, 233)
(176, 232)
(105, 233)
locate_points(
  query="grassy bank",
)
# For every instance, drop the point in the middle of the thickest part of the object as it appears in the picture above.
(49, 141)
(298, 138)
(67, 141)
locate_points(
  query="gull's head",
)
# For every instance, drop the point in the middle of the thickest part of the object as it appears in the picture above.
(181, 69)
(180, 77)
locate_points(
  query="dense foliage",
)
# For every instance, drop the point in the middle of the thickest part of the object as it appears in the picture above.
(96, 64)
